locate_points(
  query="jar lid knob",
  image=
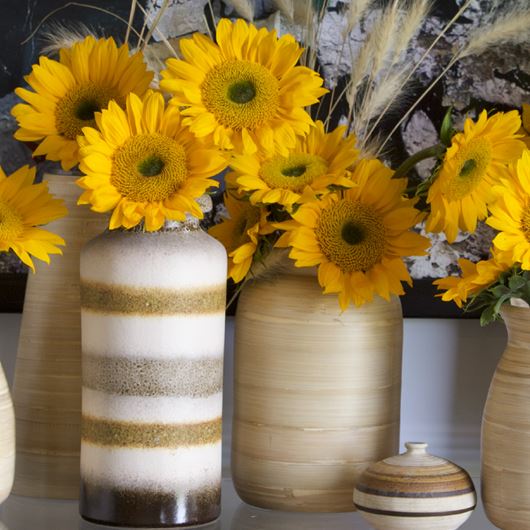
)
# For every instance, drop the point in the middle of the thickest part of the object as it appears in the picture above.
(416, 448)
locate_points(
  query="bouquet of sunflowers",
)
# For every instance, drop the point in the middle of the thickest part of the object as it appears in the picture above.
(249, 99)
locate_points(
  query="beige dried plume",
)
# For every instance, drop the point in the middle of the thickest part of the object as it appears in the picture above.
(244, 8)
(410, 24)
(355, 14)
(378, 101)
(59, 37)
(286, 8)
(374, 54)
(510, 27)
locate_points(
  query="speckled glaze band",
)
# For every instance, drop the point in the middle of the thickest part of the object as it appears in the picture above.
(153, 338)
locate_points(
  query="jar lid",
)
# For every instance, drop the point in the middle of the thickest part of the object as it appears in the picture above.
(415, 474)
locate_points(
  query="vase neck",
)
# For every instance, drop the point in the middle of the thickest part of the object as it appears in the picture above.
(517, 320)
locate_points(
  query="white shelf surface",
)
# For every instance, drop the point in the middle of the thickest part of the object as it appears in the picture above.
(24, 513)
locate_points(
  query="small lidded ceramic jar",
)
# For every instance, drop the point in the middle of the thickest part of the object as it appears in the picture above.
(415, 491)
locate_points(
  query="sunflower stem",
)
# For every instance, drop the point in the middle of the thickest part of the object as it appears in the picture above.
(430, 152)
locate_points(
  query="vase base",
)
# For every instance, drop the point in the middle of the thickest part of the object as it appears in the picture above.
(122, 507)
(311, 501)
(47, 476)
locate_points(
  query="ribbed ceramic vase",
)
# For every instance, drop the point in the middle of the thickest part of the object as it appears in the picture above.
(47, 386)
(506, 429)
(7, 439)
(153, 324)
(316, 394)
(415, 491)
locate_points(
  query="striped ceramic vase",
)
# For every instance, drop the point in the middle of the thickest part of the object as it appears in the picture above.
(152, 309)
(7, 439)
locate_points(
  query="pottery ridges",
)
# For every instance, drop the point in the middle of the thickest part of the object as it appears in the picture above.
(152, 381)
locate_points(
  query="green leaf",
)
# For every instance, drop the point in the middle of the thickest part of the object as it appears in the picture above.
(447, 131)
(487, 316)
(503, 299)
(516, 282)
(499, 290)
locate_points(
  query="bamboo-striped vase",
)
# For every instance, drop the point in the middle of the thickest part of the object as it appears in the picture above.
(317, 394)
(7, 439)
(153, 323)
(47, 385)
(506, 429)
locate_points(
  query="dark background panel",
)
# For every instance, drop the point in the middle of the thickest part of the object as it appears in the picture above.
(19, 18)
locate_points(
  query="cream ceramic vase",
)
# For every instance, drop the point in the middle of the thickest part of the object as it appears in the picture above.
(7, 439)
(415, 491)
(506, 429)
(153, 324)
(316, 394)
(47, 386)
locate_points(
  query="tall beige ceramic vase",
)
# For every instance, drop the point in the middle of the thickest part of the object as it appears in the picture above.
(317, 394)
(7, 439)
(47, 387)
(506, 429)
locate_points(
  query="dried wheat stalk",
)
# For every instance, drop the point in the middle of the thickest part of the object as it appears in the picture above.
(286, 8)
(59, 37)
(244, 8)
(511, 27)
(356, 12)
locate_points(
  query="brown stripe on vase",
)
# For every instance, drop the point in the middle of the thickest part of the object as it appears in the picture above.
(149, 435)
(394, 513)
(139, 508)
(129, 376)
(424, 494)
(394, 479)
(147, 301)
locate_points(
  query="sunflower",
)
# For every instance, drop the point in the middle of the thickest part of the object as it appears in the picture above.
(317, 161)
(510, 214)
(239, 234)
(144, 164)
(245, 91)
(358, 238)
(476, 160)
(475, 278)
(23, 207)
(525, 129)
(67, 94)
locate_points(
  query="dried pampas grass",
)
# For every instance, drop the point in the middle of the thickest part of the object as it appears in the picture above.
(286, 8)
(355, 14)
(410, 24)
(244, 8)
(59, 36)
(510, 27)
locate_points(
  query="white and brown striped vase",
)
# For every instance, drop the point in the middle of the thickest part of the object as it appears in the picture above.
(153, 324)
(7, 439)
(415, 491)
(506, 429)
(317, 394)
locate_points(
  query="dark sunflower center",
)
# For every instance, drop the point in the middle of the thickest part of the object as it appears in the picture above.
(468, 167)
(525, 223)
(151, 166)
(294, 171)
(352, 233)
(85, 110)
(241, 92)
